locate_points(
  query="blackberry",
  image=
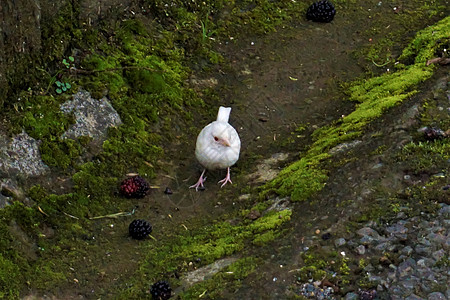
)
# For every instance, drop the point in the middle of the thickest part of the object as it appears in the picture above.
(139, 229)
(432, 134)
(161, 290)
(321, 11)
(134, 187)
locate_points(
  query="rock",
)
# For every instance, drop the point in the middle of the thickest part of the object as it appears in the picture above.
(344, 147)
(92, 117)
(20, 156)
(267, 169)
(205, 272)
(339, 242)
(407, 250)
(253, 214)
(397, 229)
(422, 250)
(367, 231)
(425, 262)
(361, 249)
(413, 297)
(436, 296)
(406, 268)
(351, 296)
(439, 254)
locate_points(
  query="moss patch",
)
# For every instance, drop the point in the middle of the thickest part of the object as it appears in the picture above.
(307, 176)
(178, 250)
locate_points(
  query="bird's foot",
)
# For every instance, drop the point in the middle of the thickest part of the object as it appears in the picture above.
(199, 183)
(226, 179)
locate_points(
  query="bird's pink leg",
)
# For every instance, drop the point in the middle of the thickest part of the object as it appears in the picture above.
(200, 181)
(226, 179)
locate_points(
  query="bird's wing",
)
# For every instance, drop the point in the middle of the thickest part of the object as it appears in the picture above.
(224, 114)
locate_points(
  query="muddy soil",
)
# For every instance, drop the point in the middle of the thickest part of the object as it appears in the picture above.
(274, 83)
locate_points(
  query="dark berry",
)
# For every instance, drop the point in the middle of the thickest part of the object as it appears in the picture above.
(134, 187)
(161, 290)
(139, 229)
(432, 134)
(321, 11)
(326, 236)
(168, 191)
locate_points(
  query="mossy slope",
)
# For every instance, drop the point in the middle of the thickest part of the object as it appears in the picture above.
(307, 176)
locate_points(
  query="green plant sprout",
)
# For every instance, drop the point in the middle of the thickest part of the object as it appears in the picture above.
(62, 86)
(66, 63)
(205, 32)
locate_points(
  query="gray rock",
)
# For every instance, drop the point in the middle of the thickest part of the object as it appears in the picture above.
(20, 156)
(397, 229)
(445, 211)
(436, 238)
(351, 296)
(92, 117)
(436, 296)
(409, 283)
(339, 242)
(413, 297)
(344, 147)
(361, 249)
(425, 262)
(367, 231)
(375, 279)
(407, 250)
(382, 246)
(422, 250)
(406, 268)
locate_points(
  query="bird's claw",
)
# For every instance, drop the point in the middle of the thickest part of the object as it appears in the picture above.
(199, 183)
(226, 179)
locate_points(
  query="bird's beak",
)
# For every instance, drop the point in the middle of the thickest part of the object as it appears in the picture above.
(225, 142)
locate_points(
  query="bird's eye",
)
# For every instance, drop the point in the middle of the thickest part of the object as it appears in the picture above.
(216, 138)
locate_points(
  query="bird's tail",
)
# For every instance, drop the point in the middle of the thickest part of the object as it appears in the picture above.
(224, 114)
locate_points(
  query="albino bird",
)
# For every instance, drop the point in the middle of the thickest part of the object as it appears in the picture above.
(217, 147)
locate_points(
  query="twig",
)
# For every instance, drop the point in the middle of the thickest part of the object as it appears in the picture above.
(114, 216)
(382, 64)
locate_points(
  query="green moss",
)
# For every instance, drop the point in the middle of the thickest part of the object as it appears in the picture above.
(306, 177)
(427, 42)
(10, 279)
(176, 250)
(229, 278)
(426, 156)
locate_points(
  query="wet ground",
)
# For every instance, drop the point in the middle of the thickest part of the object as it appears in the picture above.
(275, 83)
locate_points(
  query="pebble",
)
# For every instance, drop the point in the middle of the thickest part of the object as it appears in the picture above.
(422, 241)
(407, 249)
(339, 242)
(361, 249)
(436, 296)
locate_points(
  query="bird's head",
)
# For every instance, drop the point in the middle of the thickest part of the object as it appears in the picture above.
(220, 135)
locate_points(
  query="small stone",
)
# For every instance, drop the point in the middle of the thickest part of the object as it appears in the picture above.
(361, 249)
(339, 242)
(436, 296)
(406, 268)
(367, 231)
(413, 297)
(244, 197)
(397, 229)
(326, 236)
(382, 246)
(384, 260)
(254, 214)
(407, 250)
(351, 296)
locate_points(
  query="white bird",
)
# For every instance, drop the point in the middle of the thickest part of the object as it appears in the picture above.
(218, 146)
